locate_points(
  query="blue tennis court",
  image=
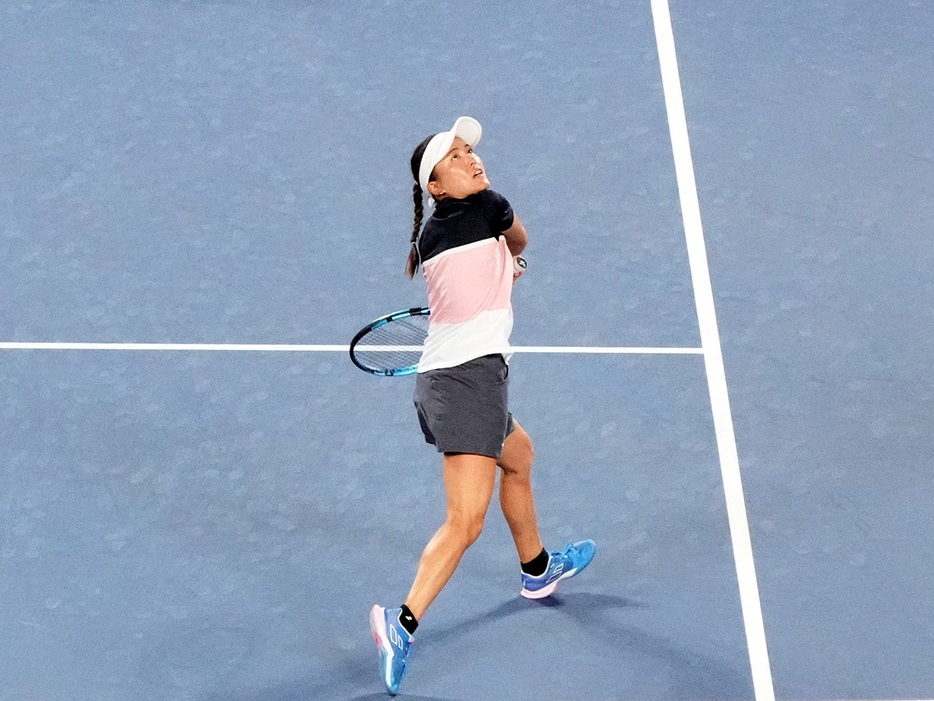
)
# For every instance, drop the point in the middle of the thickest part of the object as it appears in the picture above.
(201, 202)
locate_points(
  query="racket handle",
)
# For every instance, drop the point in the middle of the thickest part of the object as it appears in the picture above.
(518, 267)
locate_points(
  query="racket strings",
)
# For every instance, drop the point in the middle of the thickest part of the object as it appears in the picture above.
(393, 345)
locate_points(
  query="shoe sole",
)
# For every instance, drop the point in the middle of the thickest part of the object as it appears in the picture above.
(548, 589)
(378, 627)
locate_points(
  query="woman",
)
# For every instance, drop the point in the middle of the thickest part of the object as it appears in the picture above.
(467, 251)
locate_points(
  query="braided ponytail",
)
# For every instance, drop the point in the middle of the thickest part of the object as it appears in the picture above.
(412, 264)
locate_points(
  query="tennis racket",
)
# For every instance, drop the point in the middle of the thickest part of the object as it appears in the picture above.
(392, 344)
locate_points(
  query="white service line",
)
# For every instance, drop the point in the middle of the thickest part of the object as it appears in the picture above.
(713, 357)
(266, 348)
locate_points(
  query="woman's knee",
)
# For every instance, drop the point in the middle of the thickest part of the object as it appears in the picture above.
(468, 527)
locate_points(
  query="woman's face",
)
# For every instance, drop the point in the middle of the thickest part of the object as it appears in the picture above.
(459, 174)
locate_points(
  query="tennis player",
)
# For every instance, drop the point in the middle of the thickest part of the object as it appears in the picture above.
(467, 252)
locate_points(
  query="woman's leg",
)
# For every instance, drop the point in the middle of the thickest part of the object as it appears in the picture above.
(515, 494)
(469, 481)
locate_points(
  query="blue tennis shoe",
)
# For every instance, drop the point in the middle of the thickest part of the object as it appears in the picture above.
(561, 565)
(395, 645)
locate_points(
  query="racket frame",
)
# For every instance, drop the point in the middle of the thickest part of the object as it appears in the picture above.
(382, 321)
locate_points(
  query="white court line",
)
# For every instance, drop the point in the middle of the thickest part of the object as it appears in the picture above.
(608, 349)
(713, 357)
(266, 348)
(15, 345)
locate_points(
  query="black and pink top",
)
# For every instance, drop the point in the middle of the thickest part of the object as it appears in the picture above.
(469, 270)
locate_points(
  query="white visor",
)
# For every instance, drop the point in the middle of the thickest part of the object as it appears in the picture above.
(466, 128)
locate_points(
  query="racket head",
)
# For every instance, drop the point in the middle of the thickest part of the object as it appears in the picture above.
(391, 345)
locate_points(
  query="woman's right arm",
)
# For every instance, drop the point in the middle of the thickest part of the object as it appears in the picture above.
(516, 237)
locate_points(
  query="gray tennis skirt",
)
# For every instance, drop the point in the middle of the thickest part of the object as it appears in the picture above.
(464, 409)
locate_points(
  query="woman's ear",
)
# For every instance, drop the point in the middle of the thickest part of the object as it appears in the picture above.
(435, 189)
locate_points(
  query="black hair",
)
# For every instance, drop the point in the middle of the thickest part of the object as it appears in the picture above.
(412, 264)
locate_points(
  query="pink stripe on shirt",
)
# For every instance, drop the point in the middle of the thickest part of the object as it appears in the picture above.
(468, 280)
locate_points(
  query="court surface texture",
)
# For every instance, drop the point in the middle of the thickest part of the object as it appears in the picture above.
(723, 347)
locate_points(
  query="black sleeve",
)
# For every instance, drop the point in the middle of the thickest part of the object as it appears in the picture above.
(498, 211)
